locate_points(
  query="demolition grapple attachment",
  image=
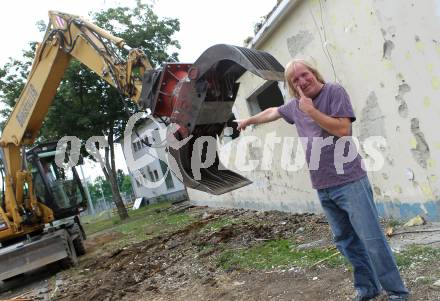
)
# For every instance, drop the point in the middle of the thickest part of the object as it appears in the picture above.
(198, 98)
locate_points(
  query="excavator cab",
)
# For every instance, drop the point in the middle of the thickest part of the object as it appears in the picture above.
(58, 188)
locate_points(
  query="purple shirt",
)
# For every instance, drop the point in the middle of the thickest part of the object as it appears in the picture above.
(326, 169)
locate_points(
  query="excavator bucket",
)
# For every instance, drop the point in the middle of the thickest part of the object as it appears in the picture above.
(198, 98)
(214, 178)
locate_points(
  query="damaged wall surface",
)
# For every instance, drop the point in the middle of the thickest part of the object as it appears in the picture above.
(386, 53)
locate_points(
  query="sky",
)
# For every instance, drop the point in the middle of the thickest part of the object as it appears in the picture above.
(203, 23)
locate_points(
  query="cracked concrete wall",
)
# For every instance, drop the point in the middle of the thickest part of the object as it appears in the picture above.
(386, 53)
(298, 42)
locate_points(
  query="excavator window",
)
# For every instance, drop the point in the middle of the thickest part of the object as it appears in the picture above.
(58, 188)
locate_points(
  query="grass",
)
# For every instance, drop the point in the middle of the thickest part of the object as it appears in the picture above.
(218, 224)
(392, 222)
(277, 253)
(101, 222)
(425, 280)
(136, 230)
(282, 253)
(415, 255)
(142, 224)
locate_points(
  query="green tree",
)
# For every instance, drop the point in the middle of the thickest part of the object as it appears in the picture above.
(86, 105)
(99, 188)
(124, 182)
(102, 183)
(94, 192)
(126, 186)
(13, 78)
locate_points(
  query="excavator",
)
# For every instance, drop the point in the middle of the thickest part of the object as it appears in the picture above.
(41, 202)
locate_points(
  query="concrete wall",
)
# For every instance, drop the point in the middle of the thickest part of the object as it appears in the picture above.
(386, 53)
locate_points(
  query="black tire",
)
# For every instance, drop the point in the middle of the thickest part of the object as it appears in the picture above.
(78, 243)
(71, 260)
(67, 263)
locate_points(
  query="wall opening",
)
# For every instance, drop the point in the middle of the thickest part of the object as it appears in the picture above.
(266, 96)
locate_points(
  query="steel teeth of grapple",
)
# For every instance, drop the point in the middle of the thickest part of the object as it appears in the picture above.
(214, 179)
(258, 62)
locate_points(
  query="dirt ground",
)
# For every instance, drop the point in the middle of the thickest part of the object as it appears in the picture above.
(184, 264)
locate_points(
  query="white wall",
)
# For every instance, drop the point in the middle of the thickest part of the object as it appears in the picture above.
(386, 53)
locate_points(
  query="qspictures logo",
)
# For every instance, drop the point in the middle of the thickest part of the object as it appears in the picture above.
(250, 153)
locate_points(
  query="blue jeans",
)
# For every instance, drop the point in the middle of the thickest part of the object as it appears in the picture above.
(352, 216)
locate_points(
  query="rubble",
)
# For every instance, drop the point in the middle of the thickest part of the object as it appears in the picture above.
(188, 255)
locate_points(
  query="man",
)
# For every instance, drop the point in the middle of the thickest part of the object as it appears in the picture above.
(321, 110)
(49, 175)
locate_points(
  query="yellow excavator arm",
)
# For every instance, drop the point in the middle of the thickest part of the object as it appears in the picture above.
(70, 37)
